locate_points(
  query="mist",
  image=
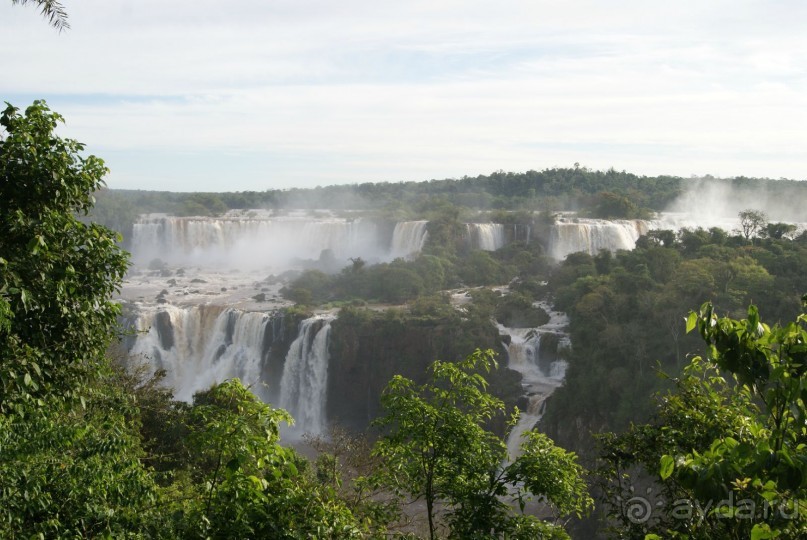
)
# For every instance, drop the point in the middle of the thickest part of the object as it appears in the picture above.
(255, 240)
(715, 202)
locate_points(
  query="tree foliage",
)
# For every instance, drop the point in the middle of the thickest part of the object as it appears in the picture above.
(752, 222)
(247, 485)
(437, 448)
(56, 274)
(69, 463)
(728, 446)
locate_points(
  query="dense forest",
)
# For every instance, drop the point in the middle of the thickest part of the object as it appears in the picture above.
(676, 388)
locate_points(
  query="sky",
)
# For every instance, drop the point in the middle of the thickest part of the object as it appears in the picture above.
(272, 94)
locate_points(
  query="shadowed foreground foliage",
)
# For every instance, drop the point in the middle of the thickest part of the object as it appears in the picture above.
(726, 453)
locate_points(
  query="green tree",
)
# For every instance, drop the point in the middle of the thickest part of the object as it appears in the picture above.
(247, 485)
(777, 231)
(69, 456)
(728, 446)
(613, 206)
(438, 449)
(57, 274)
(752, 222)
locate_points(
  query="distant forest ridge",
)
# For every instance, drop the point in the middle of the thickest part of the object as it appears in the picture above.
(608, 193)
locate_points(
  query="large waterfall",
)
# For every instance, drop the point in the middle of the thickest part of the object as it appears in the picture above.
(486, 236)
(203, 345)
(257, 240)
(408, 238)
(305, 375)
(533, 352)
(240, 241)
(593, 235)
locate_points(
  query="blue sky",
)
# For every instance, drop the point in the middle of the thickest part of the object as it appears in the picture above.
(254, 95)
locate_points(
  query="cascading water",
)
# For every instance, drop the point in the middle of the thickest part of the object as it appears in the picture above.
(408, 238)
(486, 236)
(305, 376)
(203, 345)
(593, 235)
(541, 370)
(521, 233)
(243, 242)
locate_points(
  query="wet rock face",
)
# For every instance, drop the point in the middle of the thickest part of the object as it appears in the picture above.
(165, 330)
(277, 340)
(367, 349)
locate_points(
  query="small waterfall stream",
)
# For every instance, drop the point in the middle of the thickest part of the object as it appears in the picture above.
(486, 236)
(408, 238)
(541, 369)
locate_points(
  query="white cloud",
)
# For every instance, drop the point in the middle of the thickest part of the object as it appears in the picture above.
(412, 90)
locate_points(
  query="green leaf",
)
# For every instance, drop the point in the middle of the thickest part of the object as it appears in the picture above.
(667, 466)
(692, 320)
(762, 531)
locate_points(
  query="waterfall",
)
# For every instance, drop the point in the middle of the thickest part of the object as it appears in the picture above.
(239, 241)
(303, 386)
(408, 238)
(203, 345)
(594, 235)
(244, 242)
(486, 236)
(541, 369)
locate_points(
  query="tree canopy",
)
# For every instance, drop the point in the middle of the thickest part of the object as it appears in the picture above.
(726, 449)
(437, 448)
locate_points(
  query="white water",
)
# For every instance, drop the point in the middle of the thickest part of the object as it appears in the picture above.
(202, 345)
(571, 235)
(593, 235)
(486, 236)
(408, 239)
(239, 241)
(541, 372)
(303, 387)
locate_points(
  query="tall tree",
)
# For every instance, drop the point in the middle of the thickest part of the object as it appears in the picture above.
(752, 222)
(69, 458)
(57, 274)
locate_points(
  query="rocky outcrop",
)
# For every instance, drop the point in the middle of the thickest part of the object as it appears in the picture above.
(368, 348)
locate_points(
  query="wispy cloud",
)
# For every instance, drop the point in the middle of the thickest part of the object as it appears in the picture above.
(317, 92)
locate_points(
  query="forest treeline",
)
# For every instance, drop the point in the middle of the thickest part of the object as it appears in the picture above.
(603, 194)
